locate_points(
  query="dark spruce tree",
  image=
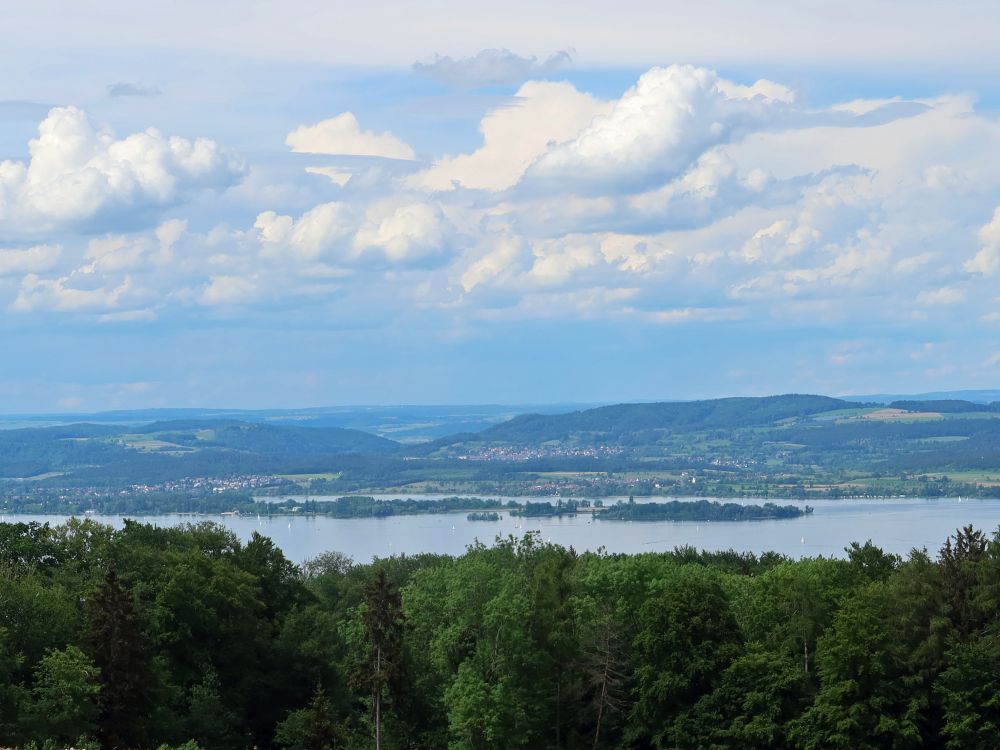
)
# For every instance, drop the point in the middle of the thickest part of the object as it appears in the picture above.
(382, 668)
(119, 650)
(322, 733)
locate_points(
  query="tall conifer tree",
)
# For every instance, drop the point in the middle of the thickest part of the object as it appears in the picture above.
(119, 649)
(382, 669)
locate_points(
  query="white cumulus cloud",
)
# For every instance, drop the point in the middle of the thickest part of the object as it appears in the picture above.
(77, 173)
(28, 260)
(987, 260)
(689, 199)
(397, 230)
(62, 295)
(342, 135)
(656, 130)
(541, 114)
(228, 290)
(404, 232)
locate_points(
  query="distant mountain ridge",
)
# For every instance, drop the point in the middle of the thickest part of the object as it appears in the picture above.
(945, 406)
(632, 422)
(403, 423)
(178, 448)
(267, 438)
(984, 396)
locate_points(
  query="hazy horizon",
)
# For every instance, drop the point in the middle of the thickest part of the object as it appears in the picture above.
(975, 395)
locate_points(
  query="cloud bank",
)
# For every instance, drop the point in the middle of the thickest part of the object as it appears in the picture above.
(689, 200)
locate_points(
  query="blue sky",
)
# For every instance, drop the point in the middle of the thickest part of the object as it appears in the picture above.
(289, 204)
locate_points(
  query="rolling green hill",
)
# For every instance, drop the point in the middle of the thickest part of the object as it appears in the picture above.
(778, 446)
(637, 424)
(176, 449)
(266, 438)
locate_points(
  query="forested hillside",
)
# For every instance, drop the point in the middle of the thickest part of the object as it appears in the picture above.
(627, 421)
(176, 449)
(145, 636)
(778, 446)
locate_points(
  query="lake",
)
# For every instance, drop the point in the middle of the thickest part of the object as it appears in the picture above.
(894, 525)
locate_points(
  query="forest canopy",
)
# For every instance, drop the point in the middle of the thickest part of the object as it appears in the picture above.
(146, 636)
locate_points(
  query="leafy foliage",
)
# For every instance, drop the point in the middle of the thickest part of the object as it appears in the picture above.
(187, 637)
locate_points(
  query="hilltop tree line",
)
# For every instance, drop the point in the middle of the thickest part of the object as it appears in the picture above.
(146, 636)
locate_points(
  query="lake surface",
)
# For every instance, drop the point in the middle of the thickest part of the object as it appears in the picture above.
(895, 525)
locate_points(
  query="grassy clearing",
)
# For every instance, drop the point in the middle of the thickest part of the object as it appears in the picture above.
(571, 474)
(46, 475)
(987, 478)
(900, 415)
(840, 414)
(330, 476)
(151, 444)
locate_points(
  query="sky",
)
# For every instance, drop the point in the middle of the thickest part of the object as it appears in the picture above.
(263, 204)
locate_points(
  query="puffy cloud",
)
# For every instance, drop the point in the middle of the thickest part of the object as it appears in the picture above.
(655, 131)
(342, 135)
(490, 67)
(394, 231)
(557, 261)
(829, 246)
(715, 187)
(63, 295)
(987, 260)
(29, 260)
(114, 254)
(322, 230)
(228, 290)
(403, 232)
(169, 233)
(515, 135)
(691, 199)
(946, 295)
(117, 277)
(77, 173)
(508, 258)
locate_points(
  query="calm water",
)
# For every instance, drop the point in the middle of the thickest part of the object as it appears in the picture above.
(895, 525)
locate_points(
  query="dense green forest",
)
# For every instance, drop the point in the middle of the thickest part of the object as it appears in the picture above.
(148, 636)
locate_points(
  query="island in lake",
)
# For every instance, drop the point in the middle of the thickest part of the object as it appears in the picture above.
(699, 510)
(483, 517)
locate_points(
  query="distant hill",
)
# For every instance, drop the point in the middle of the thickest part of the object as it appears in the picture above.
(636, 423)
(975, 396)
(405, 424)
(178, 448)
(946, 406)
(268, 439)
